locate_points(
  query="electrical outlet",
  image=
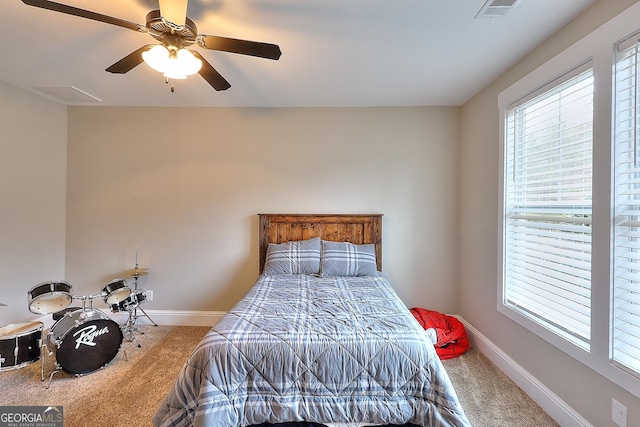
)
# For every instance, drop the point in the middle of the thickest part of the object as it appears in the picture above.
(618, 413)
(150, 296)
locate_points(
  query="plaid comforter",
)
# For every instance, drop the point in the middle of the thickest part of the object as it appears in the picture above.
(324, 350)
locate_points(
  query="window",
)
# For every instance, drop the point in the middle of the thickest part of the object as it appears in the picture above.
(569, 202)
(547, 206)
(625, 348)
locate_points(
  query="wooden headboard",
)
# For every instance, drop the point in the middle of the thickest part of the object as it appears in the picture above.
(358, 229)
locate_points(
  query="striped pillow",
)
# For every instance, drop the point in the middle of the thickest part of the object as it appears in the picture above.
(347, 259)
(301, 257)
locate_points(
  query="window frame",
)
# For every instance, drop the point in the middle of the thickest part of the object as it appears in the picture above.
(530, 218)
(627, 211)
(598, 47)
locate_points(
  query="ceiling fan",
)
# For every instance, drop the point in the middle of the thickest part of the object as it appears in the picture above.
(175, 31)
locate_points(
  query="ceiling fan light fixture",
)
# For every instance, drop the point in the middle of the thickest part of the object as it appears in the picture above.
(157, 58)
(174, 64)
(173, 71)
(188, 63)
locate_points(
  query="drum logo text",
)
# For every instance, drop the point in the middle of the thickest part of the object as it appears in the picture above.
(88, 334)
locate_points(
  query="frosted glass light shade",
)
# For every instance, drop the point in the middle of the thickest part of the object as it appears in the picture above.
(189, 63)
(181, 65)
(173, 64)
(157, 58)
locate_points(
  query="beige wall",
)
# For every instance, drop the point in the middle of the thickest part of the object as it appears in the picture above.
(587, 392)
(184, 186)
(33, 141)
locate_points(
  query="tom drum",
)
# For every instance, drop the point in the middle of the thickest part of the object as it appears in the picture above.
(116, 291)
(130, 303)
(49, 297)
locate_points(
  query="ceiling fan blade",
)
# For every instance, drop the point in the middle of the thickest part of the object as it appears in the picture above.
(70, 10)
(174, 11)
(244, 47)
(130, 61)
(210, 74)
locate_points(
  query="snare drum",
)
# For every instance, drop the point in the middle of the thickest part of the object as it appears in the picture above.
(116, 291)
(20, 344)
(84, 341)
(129, 303)
(49, 297)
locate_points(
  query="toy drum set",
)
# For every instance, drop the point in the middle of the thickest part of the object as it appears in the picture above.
(82, 340)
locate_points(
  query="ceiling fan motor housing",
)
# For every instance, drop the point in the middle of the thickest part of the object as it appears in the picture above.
(160, 28)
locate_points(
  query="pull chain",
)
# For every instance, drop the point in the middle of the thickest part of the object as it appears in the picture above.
(166, 80)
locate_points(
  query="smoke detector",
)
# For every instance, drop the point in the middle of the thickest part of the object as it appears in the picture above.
(496, 8)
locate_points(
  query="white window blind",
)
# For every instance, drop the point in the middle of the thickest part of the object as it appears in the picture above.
(625, 351)
(548, 187)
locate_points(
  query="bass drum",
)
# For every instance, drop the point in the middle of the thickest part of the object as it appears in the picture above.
(84, 341)
(20, 344)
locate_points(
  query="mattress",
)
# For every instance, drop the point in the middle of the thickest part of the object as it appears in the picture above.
(335, 350)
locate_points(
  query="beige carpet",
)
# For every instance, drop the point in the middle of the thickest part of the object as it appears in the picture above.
(127, 392)
(489, 397)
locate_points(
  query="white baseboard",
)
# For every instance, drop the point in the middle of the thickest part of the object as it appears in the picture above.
(558, 409)
(181, 318)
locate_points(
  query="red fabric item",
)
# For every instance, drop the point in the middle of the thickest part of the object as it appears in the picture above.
(452, 337)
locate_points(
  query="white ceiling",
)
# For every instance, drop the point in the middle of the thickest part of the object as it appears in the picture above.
(334, 52)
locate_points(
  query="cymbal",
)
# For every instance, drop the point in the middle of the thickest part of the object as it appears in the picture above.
(136, 272)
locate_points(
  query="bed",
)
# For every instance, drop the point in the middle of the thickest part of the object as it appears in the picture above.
(321, 338)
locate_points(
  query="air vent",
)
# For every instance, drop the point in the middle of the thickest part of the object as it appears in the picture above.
(496, 8)
(68, 95)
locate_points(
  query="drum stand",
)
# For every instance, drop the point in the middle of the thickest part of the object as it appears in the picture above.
(137, 307)
(136, 316)
(130, 327)
(42, 356)
(55, 371)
